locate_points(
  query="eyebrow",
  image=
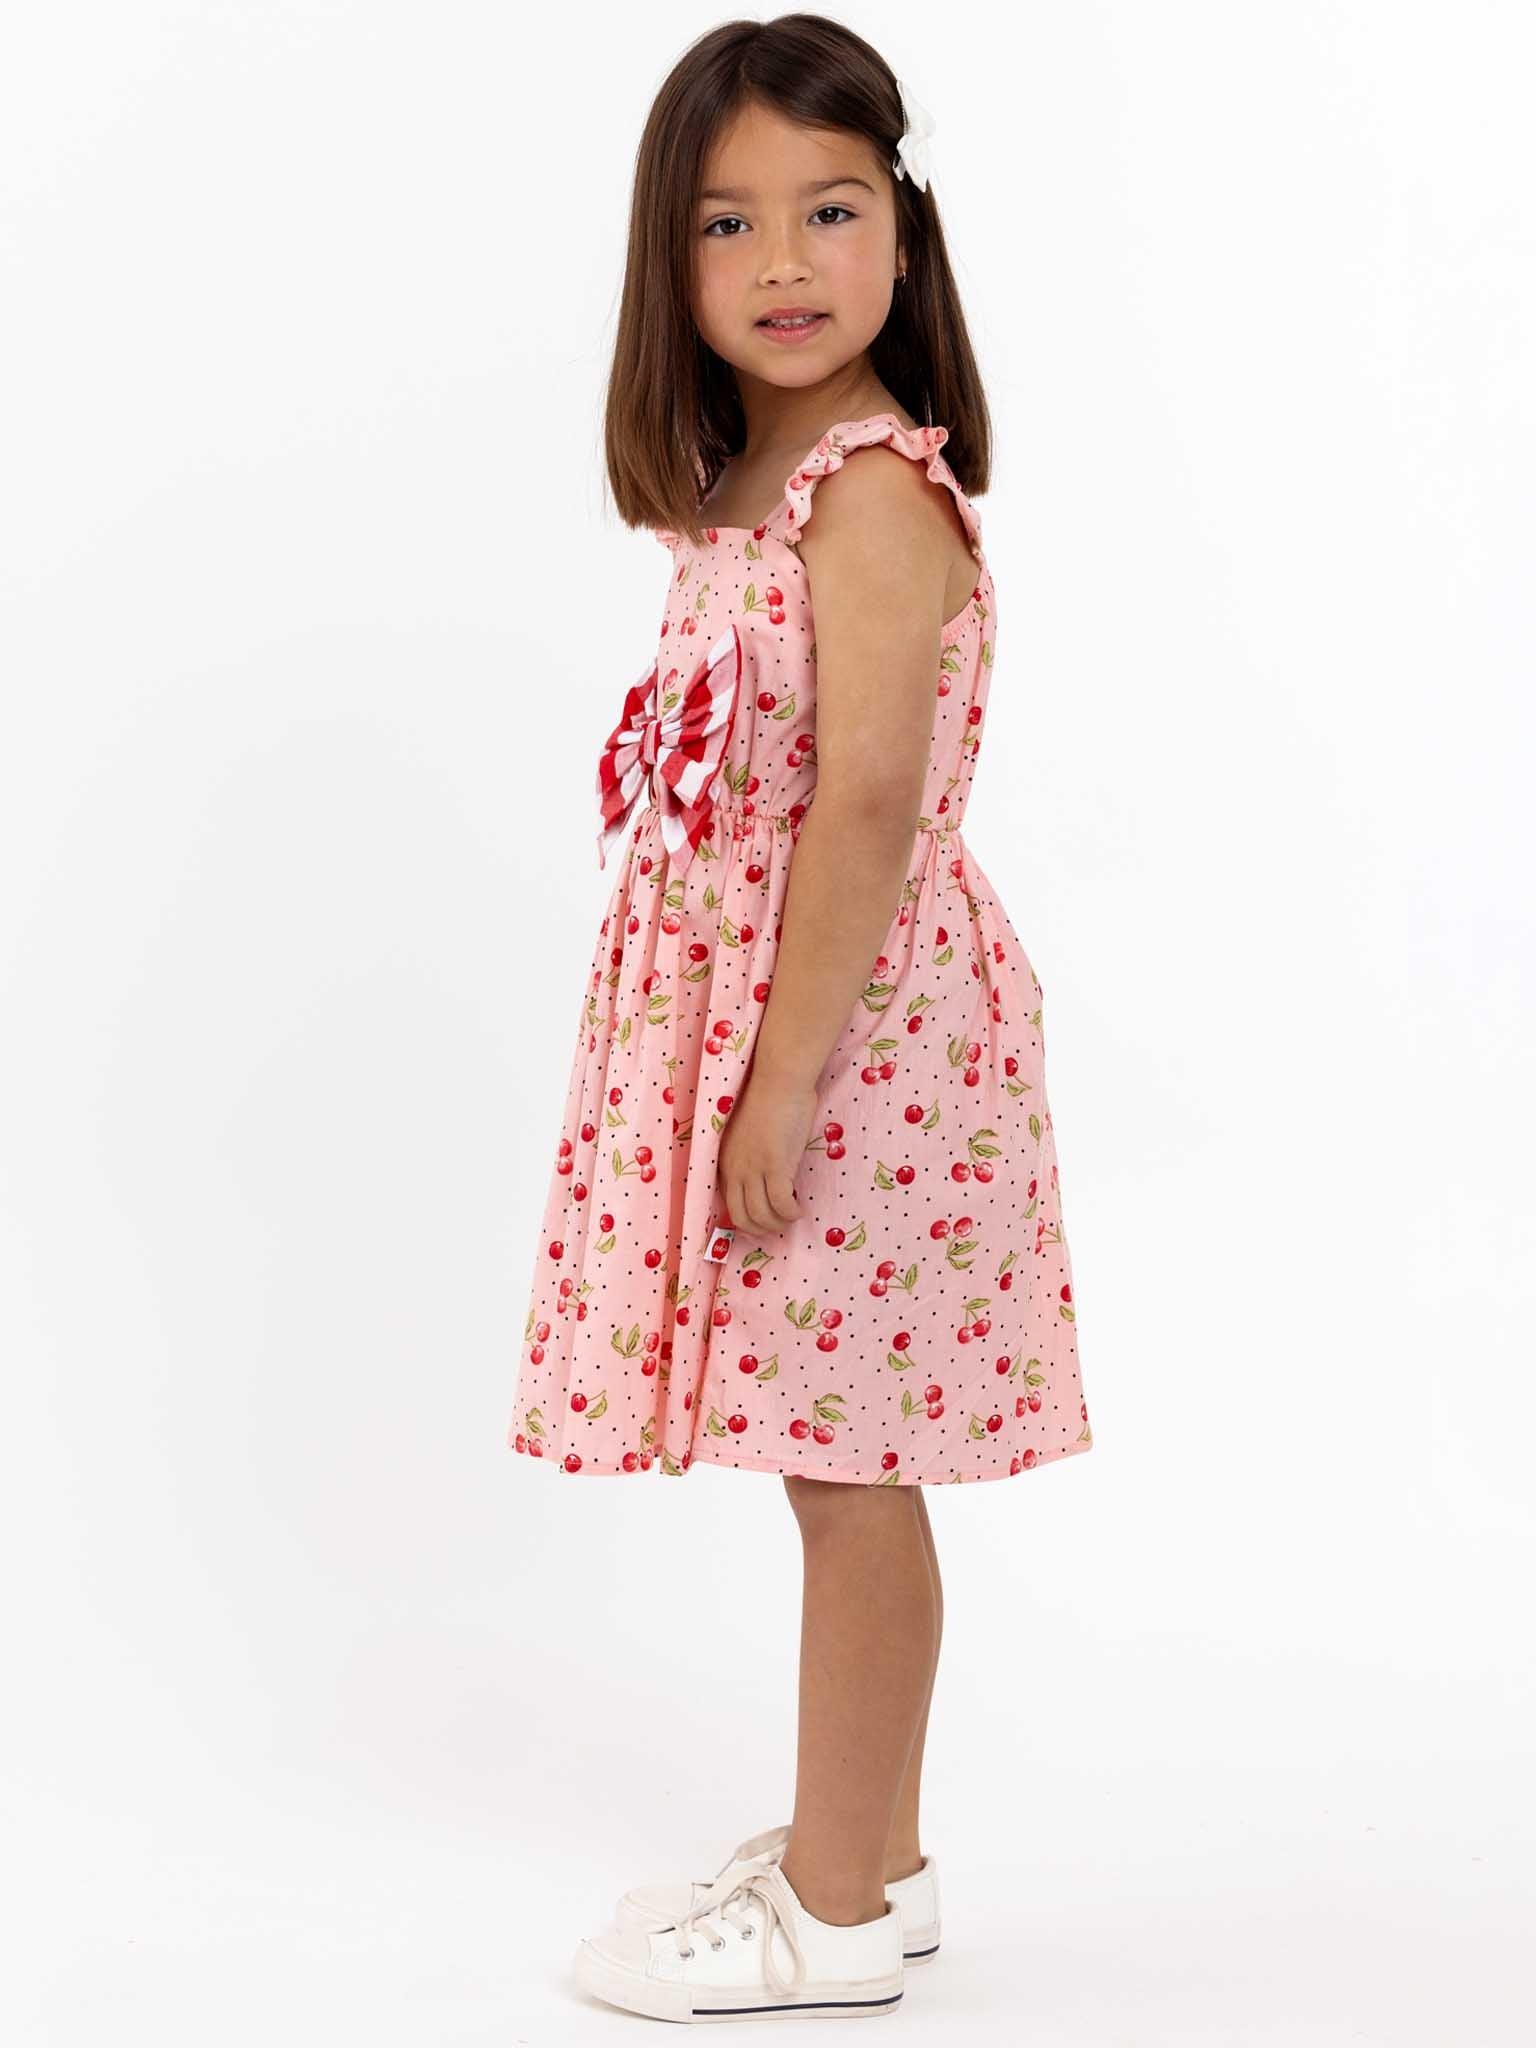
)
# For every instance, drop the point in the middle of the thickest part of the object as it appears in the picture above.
(821, 185)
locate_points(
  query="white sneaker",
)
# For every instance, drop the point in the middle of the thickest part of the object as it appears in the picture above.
(748, 1949)
(915, 1897)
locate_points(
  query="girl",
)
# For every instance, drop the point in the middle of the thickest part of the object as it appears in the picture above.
(804, 1214)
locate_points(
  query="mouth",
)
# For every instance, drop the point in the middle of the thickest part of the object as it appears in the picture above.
(794, 326)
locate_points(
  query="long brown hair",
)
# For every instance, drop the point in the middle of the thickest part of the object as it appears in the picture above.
(674, 415)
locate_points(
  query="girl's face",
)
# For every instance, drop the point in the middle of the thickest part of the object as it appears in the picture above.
(792, 217)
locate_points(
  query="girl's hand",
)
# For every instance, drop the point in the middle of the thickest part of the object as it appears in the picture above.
(764, 1141)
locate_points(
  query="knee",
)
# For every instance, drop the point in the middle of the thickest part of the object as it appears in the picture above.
(822, 1505)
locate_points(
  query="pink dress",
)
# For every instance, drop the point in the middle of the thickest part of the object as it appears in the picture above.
(916, 1323)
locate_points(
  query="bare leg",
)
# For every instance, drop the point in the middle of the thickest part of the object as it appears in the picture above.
(867, 1638)
(903, 1854)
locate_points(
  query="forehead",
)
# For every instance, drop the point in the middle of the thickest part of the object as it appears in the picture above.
(761, 154)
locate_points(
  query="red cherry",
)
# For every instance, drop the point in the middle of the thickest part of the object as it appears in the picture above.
(938, 1227)
(901, 1340)
(933, 1393)
(836, 1236)
(766, 700)
(578, 1402)
(994, 1423)
(913, 1112)
(1031, 1456)
(747, 1362)
(822, 1433)
(799, 1427)
(1066, 1292)
(960, 1171)
(557, 1249)
(906, 1175)
(888, 1461)
(830, 1318)
(964, 1225)
(572, 1462)
(831, 1130)
(630, 1461)
(752, 1277)
(826, 1341)
(737, 1423)
(935, 1410)
(886, 1268)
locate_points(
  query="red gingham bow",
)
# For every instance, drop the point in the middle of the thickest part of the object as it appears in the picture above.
(678, 748)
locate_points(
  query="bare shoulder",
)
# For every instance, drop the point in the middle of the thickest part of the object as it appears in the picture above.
(880, 526)
(880, 487)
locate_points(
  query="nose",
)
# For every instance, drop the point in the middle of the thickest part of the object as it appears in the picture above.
(787, 264)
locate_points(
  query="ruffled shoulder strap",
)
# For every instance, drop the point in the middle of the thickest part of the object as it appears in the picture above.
(881, 429)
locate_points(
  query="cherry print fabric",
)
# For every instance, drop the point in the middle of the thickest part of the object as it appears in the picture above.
(916, 1324)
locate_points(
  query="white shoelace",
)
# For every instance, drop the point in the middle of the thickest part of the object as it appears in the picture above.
(765, 1844)
(765, 1882)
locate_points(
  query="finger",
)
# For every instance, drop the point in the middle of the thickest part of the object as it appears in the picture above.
(780, 1190)
(759, 1209)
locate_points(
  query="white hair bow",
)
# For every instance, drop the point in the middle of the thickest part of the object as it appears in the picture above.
(913, 155)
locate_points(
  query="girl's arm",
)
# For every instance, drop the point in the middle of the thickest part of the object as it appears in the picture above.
(877, 557)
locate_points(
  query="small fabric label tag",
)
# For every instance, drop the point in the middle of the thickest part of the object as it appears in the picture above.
(719, 1243)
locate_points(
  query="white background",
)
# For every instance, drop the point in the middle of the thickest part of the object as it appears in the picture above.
(328, 1717)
